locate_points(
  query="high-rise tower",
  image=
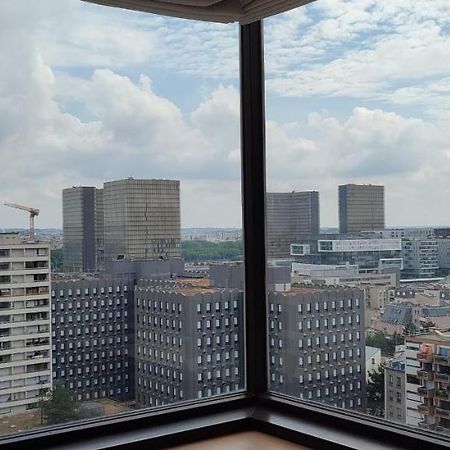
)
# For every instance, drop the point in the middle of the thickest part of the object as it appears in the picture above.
(361, 208)
(290, 216)
(141, 219)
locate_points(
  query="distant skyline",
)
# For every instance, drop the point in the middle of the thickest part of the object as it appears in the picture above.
(357, 92)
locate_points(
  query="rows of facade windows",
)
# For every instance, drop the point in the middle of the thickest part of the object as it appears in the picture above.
(186, 348)
(92, 339)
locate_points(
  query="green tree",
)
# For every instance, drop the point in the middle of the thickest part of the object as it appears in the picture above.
(202, 251)
(385, 342)
(375, 392)
(59, 407)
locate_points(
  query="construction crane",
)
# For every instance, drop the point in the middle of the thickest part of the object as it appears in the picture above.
(33, 213)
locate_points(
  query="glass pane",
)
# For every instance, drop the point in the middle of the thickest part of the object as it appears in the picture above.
(122, 128)
(357, 216)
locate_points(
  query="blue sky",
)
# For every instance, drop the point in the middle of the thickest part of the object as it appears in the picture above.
(357, 91)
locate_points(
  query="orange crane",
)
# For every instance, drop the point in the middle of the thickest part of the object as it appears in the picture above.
(33, 213)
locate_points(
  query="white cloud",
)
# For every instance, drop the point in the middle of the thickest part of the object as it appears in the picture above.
(129, 130)
(407, 155)
(88, 124)
(362, 49)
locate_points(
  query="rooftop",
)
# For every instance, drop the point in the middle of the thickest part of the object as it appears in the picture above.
(371, 351)
(182, 285)
(434, 336)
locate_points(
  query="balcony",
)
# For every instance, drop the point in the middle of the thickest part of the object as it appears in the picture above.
(425, 409)
(424, 357)
(443, 360)
(37, 342)
(425, 375)
(5, 332)
(441, 377)
(444, 413)
(425, 392)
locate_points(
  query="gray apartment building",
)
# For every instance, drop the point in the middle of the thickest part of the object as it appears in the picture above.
(93, 338)
(141, 219)
(395, 389)
(290, 215)
(79, 233)
(361, 208)
(317, 345)
(189, 341)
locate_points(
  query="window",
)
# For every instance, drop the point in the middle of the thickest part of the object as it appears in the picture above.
(154, 129)
(83, 109)
(306, 177)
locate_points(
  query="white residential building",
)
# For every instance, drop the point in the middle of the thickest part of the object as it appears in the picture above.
(25, 340)
(413, 399)
(373, 360)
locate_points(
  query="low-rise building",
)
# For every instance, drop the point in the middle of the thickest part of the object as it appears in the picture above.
(396, 316)
(340, 249)
(395, 397)
(421, 296)
(373, 360)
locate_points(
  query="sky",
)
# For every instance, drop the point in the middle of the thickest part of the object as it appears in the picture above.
(357, 91)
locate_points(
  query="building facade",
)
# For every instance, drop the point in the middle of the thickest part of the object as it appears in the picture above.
(380, 253)
(25, 372)
(79, 229)
(434, 373)
(189, 341)
(420, 257)
(373, 360)
(413, 383)
(395, 389)
(93, 338)
(99, 229)
(141, 219)
(443, 249)
(361, 208)
(290, 216)
(317, 345)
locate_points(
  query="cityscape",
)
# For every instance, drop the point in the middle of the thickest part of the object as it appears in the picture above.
(133, 317)
(137, 141)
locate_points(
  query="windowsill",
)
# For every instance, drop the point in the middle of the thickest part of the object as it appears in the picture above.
(245, 440)
(310, 425)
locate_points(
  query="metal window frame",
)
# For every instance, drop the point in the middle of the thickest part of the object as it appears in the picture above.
(307, 423)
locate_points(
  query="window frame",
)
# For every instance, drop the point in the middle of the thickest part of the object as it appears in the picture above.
(308, 423)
